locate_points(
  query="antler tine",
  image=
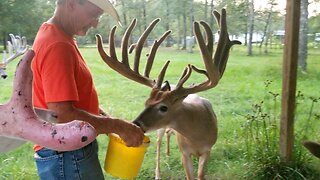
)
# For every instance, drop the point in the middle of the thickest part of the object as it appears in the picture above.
(152, 53)
(223, 37)
(224, 44)
(184, 77)
(123, 67)
(17, 47)
(161, 75)
(207, 59)
(215, 65)
(209, 36)
(140, 43)
(112, 49)
(125, 42)
(205, 52)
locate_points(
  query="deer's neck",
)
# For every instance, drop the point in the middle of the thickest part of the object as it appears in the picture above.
(194, 118)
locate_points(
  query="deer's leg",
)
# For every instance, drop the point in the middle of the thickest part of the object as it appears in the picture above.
(187, 165)
(203, 159)
(168, 134)
(160, 134)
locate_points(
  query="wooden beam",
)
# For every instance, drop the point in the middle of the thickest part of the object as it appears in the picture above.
(289, 81)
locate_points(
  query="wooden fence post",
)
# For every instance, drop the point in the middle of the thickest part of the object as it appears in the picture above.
(289, 81)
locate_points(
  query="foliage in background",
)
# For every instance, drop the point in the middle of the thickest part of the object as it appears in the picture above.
(22, 17)
(261, 131)
(19, 17)
(239, 94)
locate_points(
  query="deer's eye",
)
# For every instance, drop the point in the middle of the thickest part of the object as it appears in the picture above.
(163, 108)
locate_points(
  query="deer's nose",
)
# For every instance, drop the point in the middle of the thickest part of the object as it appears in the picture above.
(139, 124)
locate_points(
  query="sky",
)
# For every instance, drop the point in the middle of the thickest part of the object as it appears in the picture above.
(313, 8)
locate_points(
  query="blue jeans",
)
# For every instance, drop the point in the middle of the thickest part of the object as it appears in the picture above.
(71, 165)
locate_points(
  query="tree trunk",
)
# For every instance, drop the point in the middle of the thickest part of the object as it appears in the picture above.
(266, 31)
(184, 46)
(212, 19)
(211, 16)
(167, 21)
(144, 13)
(124, 14)
(268, 37)
(4, 40)
(190, 44)
(250, 27)
(206, 10)
(303, 36)
(179, 31)
(246, 36)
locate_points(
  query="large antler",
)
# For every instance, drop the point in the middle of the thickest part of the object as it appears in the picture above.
(16, 47)
(123, 66)
(215, 65)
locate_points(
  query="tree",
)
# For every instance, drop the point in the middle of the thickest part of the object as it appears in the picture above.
(167, 20)
(190, 45)
(184, 24)
(267, 28)
(250, 27)
(206, 10)
(303, 36)
(314, 25)
(20, 18)
(123, 12)
(211, 17)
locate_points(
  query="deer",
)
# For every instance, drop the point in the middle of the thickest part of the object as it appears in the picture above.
(20, 122)
(313, 147)
(177, 107)
(17, 47)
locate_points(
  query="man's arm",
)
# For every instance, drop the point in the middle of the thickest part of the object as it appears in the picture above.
(129, 132)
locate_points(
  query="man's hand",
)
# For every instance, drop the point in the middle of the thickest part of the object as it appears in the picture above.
(131, 134)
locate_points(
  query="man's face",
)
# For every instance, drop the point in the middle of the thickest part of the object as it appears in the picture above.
(86, 15)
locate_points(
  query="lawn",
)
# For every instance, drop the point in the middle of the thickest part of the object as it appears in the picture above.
(247, 82)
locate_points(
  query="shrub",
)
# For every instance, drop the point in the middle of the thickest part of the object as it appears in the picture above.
(261, 136)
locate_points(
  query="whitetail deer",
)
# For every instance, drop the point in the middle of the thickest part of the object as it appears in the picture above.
(16, 47)
(313, 147)
(190, 115)
(19, 120)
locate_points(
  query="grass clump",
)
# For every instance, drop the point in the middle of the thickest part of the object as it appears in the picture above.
(261, 140)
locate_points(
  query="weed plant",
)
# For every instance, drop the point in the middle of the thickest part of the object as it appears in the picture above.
(261, 131)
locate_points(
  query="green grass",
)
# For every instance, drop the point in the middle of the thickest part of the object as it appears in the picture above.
(242, 85)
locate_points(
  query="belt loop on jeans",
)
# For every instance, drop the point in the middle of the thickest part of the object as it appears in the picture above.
(60, 152)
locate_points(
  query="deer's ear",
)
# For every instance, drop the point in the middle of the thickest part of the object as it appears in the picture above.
(166, 86)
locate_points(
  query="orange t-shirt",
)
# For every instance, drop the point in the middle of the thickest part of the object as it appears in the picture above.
(60, 72)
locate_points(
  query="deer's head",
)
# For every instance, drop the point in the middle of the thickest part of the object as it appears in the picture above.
(313, 147)
(165, 101)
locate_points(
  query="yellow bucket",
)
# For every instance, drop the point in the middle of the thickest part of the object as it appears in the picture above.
(122, 161)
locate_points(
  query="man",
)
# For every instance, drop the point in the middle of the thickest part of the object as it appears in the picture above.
(63, 83)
